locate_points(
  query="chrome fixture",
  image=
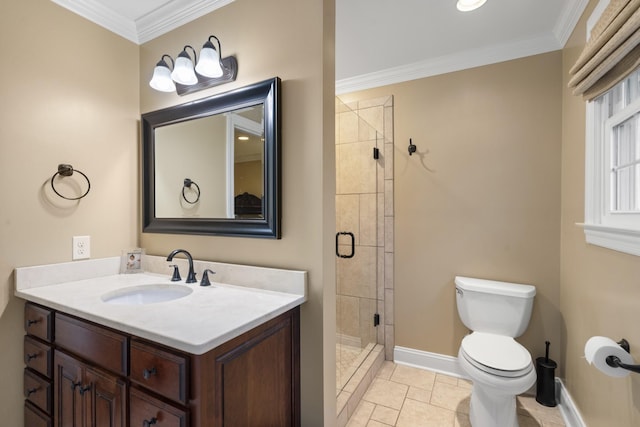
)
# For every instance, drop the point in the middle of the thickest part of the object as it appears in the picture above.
(210, 70)
(191, 276)
(469, 5)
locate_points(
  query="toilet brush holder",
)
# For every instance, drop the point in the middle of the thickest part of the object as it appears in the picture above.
(546, 383)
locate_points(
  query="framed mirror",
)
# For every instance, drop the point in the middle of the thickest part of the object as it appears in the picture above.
(212, 166)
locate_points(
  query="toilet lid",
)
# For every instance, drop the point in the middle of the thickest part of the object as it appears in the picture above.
(497, 354)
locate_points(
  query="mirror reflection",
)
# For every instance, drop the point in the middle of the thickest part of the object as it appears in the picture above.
(217, 169)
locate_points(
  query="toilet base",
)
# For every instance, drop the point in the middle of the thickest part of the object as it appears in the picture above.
(493, 398)
(491, 409)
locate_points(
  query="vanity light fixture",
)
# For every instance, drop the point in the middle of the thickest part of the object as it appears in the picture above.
(210, 70)
(469, 5)
(183, 71)
(161, 79)
(209, 64)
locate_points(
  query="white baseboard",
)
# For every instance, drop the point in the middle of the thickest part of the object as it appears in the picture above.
(426, 360)
(449, 365)
(568, 409)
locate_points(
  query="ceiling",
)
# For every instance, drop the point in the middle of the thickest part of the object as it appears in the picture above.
(380, 42)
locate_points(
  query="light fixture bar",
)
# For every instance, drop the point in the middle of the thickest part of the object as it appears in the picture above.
(183, 77)
(230, 69)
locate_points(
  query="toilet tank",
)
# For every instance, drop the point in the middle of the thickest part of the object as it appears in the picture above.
(495, 307)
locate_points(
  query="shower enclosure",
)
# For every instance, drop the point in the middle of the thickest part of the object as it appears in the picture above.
(364, 222)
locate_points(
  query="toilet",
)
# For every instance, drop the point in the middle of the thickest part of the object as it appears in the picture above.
(499, 367)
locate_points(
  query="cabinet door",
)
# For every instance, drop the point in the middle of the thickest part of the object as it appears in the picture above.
(67, 400)
(105, 400)
(256, 380)
(86, 396)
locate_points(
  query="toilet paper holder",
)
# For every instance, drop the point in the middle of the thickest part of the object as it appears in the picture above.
(615, 362)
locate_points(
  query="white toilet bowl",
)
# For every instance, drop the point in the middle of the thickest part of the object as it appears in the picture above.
(499, 367)
(495, 384)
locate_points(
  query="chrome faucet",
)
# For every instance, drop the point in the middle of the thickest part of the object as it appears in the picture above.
(191, 276)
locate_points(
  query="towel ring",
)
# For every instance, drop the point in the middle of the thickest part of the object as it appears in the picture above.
(187, 184)
(67, 170)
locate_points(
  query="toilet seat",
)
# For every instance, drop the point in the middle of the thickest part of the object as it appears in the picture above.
(496, 354)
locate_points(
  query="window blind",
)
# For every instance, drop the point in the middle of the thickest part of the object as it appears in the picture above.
(612, 51)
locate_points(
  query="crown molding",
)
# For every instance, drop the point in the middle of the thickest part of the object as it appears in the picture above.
(450, 63)
(154, 24)
(98, 14)
(568, 20)
(172, 15)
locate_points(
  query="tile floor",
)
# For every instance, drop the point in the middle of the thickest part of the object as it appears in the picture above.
(404, 396)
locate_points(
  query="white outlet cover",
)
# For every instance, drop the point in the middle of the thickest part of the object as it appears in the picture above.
(81, 247)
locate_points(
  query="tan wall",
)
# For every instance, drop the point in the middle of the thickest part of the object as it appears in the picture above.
(268, 43)
(600, 293)
(69, 94)
(481, 197)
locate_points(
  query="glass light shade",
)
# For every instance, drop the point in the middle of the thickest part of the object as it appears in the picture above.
(209, 62)
(161, 79)
(468, 5)
(183, 72)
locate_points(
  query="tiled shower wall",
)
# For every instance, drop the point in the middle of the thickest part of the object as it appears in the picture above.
(364, 205)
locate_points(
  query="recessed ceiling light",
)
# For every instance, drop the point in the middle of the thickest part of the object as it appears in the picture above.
(243, 138)
(468, 5)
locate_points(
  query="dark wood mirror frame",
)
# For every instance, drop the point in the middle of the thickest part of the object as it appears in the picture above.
(267, 93)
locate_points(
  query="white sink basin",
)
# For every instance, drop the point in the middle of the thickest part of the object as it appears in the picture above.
(146, 294)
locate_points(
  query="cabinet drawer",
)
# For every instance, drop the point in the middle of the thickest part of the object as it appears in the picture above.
(38, 321)
(37, 390)
(92, 342)
(33, 417)
(163, 372)
(146, 408)
(38, 356)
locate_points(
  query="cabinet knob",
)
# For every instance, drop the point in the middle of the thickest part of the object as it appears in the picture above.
(32, 322)
(31, 391)
(84, 389)
(146, 374)
(74, 385)
(29, 357)
(147, 423)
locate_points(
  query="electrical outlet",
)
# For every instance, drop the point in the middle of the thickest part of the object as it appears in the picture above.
(81, 247)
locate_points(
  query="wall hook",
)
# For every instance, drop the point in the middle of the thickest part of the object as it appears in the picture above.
(412, 147)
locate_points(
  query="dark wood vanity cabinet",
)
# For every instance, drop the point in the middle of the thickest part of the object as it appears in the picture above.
(85, 374)
(38, 371)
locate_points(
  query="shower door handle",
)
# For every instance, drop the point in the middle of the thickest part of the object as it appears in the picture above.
(353, 244)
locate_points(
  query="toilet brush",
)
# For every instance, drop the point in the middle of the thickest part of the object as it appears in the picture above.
(546, 386)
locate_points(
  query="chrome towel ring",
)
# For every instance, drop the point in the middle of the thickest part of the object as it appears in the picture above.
(67, 170)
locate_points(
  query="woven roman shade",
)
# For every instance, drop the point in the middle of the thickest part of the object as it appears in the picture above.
(612, 51)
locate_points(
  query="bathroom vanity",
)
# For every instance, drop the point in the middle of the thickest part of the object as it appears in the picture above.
(188, 362)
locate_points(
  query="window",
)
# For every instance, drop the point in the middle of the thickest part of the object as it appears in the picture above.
(612, 202)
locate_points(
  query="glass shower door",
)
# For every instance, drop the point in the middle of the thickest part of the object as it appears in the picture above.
(357, 240)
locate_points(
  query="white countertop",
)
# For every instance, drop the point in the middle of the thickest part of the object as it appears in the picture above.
(195, 323)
